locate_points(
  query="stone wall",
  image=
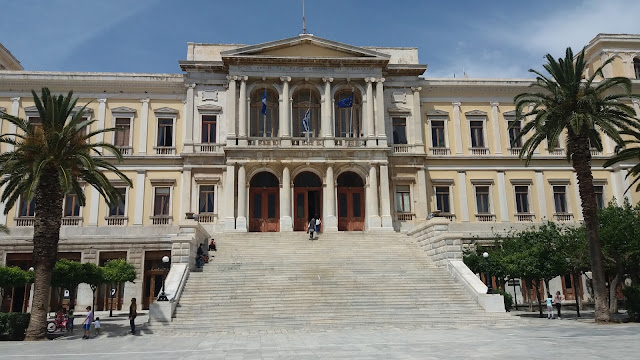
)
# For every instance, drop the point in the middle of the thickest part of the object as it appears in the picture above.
(436, 240)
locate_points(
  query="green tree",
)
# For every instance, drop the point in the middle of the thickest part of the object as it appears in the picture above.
(567, 103)
(625, 153)
(575, 250)
(13, 276)
(48, 161)
(67, 274)
(4, 229)
(94, 276)
(118, 271)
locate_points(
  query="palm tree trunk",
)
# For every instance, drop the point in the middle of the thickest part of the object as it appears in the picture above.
(46, 234)
(581, 157)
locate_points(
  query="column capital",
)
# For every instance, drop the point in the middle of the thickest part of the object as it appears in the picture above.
(190, 86)
(456, 103)
(327, 79)
(381, 80)
(14, 99)
(232, 78)
(144, 101)
(494, 104)
(416, 88)
(141, 172)
(102, 100)
(243, 78)
(635, 101)
(369, 80)
(285, 79)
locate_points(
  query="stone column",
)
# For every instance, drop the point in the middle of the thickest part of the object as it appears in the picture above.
(286, 223)
(242, 112)
(617, 189)
(385, 199)
(369, 127)
(102, 113)
(421, 209)
(185, 193)
(285, 115)
(497, 146)
(144, 123)
(95, 207)
(189, 120)
(241, 220)
(329, 204)
(542, 195)
(229, 198)
(327, 118)
(139, 207)
(371, 199)
(502, 197)
(15, 107)
(380, 128)
(418, 134)
(457, 136)
(231, 111)
(462, 194)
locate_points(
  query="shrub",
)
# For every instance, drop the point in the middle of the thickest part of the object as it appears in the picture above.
(508, 299)
(13, 325)
(632, 301)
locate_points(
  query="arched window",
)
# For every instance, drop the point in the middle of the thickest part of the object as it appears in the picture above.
(636, 67)
(264, 125)
(348, 119)
(304, 100)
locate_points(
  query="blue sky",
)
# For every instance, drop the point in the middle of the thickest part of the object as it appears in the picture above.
(485, 39)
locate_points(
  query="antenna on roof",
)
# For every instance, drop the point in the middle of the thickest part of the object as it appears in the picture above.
(304, 27)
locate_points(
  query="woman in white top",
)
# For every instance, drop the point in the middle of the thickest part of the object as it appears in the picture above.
(558, 301)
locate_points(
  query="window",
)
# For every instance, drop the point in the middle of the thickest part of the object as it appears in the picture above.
(437, 134)
(403, 199)
(71, 205)
(477, 136)
(348, 119)
(165, 132)
(599, 190)
(209, 129)
(636, 67)
(206, 199)
(305, 100)
(514, 129)
(161, 201)
(264, 125)
(482, 200)
(35, 121)
(27, 208)
(522, 199)
(119, 209)
(123, 135)
(442, 199)
(560, 199)
(399, 130)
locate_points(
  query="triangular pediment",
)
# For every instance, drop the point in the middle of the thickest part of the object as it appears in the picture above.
(123, 109)
(509, 113)
(475, 113)
(436, 112)
(166, 110)
(304, 46)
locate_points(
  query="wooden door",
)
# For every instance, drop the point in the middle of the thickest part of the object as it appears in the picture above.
(264, 210)
(307, 204)
(351, 209)
(152, 287)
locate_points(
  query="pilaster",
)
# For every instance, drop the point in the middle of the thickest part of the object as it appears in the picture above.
(502, 197)
(144, 124)
(497, 146)
(371, 199)
(577, 215)
(330, 221)
(229, 199)
(102, 111)
(285, 117)
(417, 118)
(327, 111)
(462, 195)
(542, 195)
(421, 209)
(457, 134)
(189, 119)
(95, 207)
(231, 111)
(15, 108)
(385, 199)
(241, 220)
(286, 222)
(185, 193)
(380, 128)
(242, 113)
(139, 206)
(369, 127)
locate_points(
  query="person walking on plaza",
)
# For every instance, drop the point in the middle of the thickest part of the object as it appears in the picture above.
(549, 306)
(86, 324)
(558, 299)
(133, 312)
(311, 228)
(318, 222)
(96, 325)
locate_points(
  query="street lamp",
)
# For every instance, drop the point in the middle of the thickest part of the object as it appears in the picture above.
(165, 265)
(485, 255)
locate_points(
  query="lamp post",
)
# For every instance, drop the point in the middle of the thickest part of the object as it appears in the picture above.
(485, 255)
(165, 265)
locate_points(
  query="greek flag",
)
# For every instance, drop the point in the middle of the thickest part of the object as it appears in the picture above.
(346, 102)
(305, 120)
(264, 103)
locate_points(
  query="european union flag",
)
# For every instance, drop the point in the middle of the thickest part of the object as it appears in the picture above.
(264, 103)
(346, 102)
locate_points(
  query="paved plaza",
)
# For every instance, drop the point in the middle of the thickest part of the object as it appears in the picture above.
(535, 338)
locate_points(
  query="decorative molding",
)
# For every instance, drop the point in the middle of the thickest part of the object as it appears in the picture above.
(475, 113)
(209, 109)
(166, 111)
(399, 97)
(399, 110)
(559, 181)
(442, 181)
(161, 182)
(481, 181)
(510, 113)
(435, 112)
(521, 181)
(124, 111)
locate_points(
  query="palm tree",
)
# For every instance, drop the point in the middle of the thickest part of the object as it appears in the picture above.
(567, 103)
(48, 161)
(633, 153)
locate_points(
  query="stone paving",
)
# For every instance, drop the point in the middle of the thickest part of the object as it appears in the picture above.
(536, 338)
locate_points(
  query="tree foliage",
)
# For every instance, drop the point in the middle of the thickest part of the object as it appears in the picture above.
(13, 276)
(118, 271)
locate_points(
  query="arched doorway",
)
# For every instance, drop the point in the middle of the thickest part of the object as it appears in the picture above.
(350, 202)
(307, 195)
(264, 203)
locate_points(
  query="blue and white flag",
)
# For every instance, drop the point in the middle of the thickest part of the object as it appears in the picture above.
(263, 111)
(305, 120)
(346, 102)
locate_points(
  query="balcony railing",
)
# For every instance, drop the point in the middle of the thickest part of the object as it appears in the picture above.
(525, 217)
(515, 151)
(161, 220)
(116, 220)
(125, 150)
(72, 221)
(350, 142)
(25, 221)
(562, 217)
(263, 141)
(164, 150)
(400, 148)
(479, 151)
(485, 217)
(207, 217)
(439, 151)
(209, 148)
(405, 216)
(303, 141)
(450, 217)
(595, 152)
(556, 152)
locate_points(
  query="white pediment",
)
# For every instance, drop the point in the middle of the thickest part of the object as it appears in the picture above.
(475, 113)
(399, 110)
(123, 109)
(509, 113)
(209, 108)
(166, 111)
(31, 109)
(436, 112)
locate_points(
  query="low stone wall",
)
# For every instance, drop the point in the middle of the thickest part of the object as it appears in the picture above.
(436, 240)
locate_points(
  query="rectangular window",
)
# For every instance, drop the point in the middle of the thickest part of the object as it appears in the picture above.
(35, 121)
(162, 201)
(209, 129)
(560, 199)
(442, 199)
(403, 199)
(437, 134)
(522, 199)
(206, 199)
(118, 209)
(477, 137)
(71, 205)
(482, 200)
(165, 132)
(599, 190)
(27, 208)
(121, 137)
(514, 129)
(399, 130)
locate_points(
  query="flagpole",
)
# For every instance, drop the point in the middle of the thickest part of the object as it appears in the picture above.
(304, 27)
(351, 117)
(264, 122)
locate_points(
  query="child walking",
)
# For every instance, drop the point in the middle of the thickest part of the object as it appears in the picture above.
(96, 325)
(549, 306)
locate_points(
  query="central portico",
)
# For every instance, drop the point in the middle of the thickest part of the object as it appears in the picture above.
(279, 170)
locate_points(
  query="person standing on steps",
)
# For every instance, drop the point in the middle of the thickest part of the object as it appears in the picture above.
(558, 299)
(318, 222)
(311, 228)
(133, 312)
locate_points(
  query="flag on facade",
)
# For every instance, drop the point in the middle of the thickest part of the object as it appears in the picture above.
(305, 120)
(346, 102)
(263, 111)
